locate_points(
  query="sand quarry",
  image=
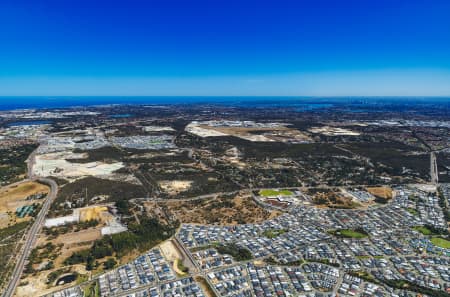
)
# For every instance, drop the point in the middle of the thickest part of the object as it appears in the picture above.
(56, 164)
(279, 133)
(173, 187)
(333, 131)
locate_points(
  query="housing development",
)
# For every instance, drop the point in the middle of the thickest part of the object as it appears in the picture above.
(328, 198)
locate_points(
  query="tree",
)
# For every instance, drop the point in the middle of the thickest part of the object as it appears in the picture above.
(110, 263)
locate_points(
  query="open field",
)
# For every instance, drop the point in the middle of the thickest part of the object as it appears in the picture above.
(14, 196)
(349, 233)
(424, 230)
(329, 198)
(273, 132)
(222, 210)
(19, 192)
(333, 131)
(75, 238)
(170, 251)
(441, 242)
(269, 192)
(56, 164)
(382, 192)
(36, 285)
(173, 187)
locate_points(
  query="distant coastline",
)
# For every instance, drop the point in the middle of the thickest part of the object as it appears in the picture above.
(38, 102)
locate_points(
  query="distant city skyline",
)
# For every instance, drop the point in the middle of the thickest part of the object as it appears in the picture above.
(225, 48)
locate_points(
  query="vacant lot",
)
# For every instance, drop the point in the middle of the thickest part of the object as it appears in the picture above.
(75, 238)
(223, 210)
(175, 186)
(323, 197)
(382, 192)
(14, 196)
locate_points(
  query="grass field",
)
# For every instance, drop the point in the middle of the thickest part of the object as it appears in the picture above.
(424, 230)
(412, 211)
(272, 233)
(348, 233)
(441, 242)
(269, 192)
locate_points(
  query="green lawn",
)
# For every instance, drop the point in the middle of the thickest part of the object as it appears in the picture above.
(348, 233)
(424, 230)
(441, 242)
(270, 192)
(412, 211)
(272, 233)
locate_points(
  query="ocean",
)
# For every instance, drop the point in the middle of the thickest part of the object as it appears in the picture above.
(300, 103)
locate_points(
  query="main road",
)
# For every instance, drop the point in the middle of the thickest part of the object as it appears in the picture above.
(33, 232)
(31, 237)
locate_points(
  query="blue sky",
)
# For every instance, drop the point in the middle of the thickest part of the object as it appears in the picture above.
(316, 47)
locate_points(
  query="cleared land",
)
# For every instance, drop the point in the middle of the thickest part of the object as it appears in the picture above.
(173, 187)
(222, 210)
(329, 198)
(270, 133)
(170, 251)
(75, 238)
(36, 285)
(333, 131)
(56, 164)
(381, 192)
(14, 196)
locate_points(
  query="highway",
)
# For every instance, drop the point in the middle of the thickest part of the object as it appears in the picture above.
(33, 232)
(31, 237)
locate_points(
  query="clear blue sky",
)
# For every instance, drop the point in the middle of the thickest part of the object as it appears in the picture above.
(215, 47)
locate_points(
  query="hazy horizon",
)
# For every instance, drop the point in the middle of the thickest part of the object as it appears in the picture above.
(232, 48)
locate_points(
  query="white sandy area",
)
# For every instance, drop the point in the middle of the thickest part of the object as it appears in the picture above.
(54, 164)
(333, 131)
(255, 138)
(203, 132)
